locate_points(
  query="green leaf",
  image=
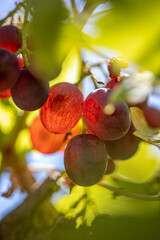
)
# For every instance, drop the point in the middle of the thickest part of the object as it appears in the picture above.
(143, 131)
(141, 167)
(71, 68)
(129, 29)
(46, 28)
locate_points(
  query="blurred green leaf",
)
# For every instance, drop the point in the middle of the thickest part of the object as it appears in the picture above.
(48, 19)
(142, 166)
(71, 68)
(133, 29)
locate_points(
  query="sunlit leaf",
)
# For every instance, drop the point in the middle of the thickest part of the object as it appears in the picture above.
(71, 68)
(100, 201)
(142, 166)
(46, 28)
(128, 28)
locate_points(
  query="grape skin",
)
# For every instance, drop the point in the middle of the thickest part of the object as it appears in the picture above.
(10, 38)
(85, 159)
(29, 93)
(9, 69)
(124, 147)
(108, 127)
(152, 116)
(44, 141)
(62, 109)
(7, 93)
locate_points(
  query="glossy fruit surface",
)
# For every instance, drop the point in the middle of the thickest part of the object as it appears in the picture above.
(106, 126)
(7, 93)
(9, 69)
(85, 159)
(152, 116)
(29, 93)
(10, 38)
(124, 147)
(44, 141)
(63, 108)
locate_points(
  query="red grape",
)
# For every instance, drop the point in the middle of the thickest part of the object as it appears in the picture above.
(9, 69)
(29, 93)
(10, 38)
(106, 126)
(152, 116)
(63, 108)
(44, 141)
(124, 147)
(85, 159)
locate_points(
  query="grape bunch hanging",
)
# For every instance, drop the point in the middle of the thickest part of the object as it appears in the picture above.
(90, 147)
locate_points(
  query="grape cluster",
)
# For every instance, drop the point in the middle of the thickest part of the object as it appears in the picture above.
(28, 92)
(90, 154)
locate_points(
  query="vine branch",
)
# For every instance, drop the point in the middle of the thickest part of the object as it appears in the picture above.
(125, 193)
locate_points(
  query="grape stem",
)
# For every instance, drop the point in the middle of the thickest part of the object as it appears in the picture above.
(125, 193)
(25, 50)
(24, 45)
(75, 11)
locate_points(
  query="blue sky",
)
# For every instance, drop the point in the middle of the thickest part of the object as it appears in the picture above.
(7, 6)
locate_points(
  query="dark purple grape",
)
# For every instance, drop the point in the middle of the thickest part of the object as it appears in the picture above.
(9, 69)
(10, 38)
(124, 147)
(29, 93)
(85, 159)
(106, 126)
